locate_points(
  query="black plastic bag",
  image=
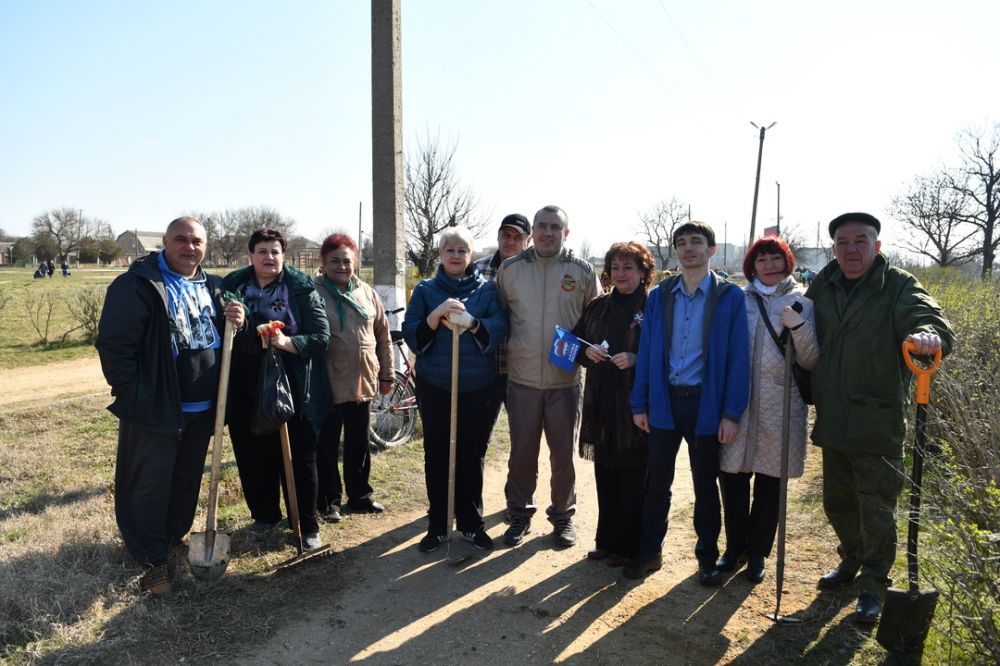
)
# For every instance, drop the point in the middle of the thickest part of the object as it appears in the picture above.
(274, 399)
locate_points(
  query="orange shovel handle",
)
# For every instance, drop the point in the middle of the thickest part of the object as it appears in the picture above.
(923, 374)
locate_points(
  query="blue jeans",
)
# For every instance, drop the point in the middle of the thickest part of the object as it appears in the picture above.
(703, 451)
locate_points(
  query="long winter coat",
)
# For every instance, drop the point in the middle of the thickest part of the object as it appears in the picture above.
(607, 433)
(360, 351)
(758, 444)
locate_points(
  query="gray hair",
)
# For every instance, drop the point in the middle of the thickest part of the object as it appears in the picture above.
(460, 234)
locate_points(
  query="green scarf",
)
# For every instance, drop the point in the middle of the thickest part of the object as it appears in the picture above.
(345, 296)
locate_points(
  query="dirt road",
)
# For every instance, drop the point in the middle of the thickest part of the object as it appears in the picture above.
(538, 604)
(48, 383)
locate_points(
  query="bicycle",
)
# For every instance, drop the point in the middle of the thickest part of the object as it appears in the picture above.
(393, 417)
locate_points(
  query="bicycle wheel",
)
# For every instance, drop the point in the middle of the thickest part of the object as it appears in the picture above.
(393, 417)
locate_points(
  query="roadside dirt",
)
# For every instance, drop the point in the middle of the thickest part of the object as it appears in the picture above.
(51, 382)
(534, 603)
(537, 604)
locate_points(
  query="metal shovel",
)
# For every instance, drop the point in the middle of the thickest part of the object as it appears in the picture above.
(208, 551)
(907, 615)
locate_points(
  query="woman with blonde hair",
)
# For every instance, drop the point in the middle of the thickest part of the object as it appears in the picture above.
(456, 301)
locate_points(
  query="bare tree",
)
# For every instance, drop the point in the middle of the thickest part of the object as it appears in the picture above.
(232, 228)
(657, 226)
(66, 227)
(435, 200)
(586, 249)
(934, 212)
(793, 235)
(980, 170)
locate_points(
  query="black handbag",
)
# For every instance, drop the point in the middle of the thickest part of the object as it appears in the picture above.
(799, 374)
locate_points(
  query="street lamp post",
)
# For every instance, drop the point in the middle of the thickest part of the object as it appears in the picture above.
(756, 186)
(777, 220)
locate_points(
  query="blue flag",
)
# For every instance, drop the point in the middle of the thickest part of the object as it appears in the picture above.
(565, 347)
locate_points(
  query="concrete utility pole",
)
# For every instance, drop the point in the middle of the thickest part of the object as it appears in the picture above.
(756, 185)
(387, 156)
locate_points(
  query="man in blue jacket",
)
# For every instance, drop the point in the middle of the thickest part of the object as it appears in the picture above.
(160, 356)
(691, 382)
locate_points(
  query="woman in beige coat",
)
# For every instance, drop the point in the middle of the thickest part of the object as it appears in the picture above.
(359, 365)
(756, 452)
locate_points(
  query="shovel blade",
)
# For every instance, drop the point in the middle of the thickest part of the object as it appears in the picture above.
(208, 554)
(906, 619)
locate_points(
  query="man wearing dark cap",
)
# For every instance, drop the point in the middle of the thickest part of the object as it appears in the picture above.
(512, 240)
(865, 309)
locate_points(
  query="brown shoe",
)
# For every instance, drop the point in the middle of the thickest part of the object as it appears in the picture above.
(156, 581)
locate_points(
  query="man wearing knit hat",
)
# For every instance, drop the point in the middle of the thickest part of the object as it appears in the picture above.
(865, 309)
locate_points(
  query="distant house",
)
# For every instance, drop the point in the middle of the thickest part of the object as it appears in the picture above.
(135, 244)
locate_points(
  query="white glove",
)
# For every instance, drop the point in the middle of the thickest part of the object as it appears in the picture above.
(462, 320)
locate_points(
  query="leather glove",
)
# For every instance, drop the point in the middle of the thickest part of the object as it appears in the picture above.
(790, 318)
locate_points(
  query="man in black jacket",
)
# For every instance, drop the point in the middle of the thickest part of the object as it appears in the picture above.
(160, 341)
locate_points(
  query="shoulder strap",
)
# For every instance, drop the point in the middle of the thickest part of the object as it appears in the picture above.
(767, 322)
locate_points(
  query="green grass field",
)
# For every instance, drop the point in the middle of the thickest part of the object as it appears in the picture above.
(25, 302)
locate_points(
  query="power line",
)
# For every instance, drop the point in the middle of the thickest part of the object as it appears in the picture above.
(635, 55)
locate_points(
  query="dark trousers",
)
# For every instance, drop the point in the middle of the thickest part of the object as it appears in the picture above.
(262, 472)
(619, 508)
(477, 412)
(351, 418)
(703, 451)
(859, 497)
(157, 480)
(750, 528)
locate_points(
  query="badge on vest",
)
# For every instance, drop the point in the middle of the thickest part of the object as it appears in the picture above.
(568, 283)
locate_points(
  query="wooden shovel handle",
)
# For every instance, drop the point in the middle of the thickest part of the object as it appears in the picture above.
(453, 429)
(923, 374)
(293, 499)
(220, 422)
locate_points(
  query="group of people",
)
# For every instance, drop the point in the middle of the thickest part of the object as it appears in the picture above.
(48, 268)
(160, 341)
(692, 357)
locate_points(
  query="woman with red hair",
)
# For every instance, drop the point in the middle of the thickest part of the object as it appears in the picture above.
(770, 292)
(359, 366)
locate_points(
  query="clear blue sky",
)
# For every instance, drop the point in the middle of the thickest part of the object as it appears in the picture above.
(136, 112)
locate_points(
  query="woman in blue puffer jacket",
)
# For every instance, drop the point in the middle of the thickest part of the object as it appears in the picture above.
(456, 298)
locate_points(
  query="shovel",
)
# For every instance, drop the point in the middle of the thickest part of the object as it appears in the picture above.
(456, 333)
(208, 552)
(907, 615)
(293, 506)
(779, 570)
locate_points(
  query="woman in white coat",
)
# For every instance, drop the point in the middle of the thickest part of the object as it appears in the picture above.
(756, 453)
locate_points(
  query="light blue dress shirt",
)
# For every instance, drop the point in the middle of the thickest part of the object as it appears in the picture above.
(687, 355)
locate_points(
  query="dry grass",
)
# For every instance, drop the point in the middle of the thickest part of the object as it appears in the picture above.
(69, 591)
